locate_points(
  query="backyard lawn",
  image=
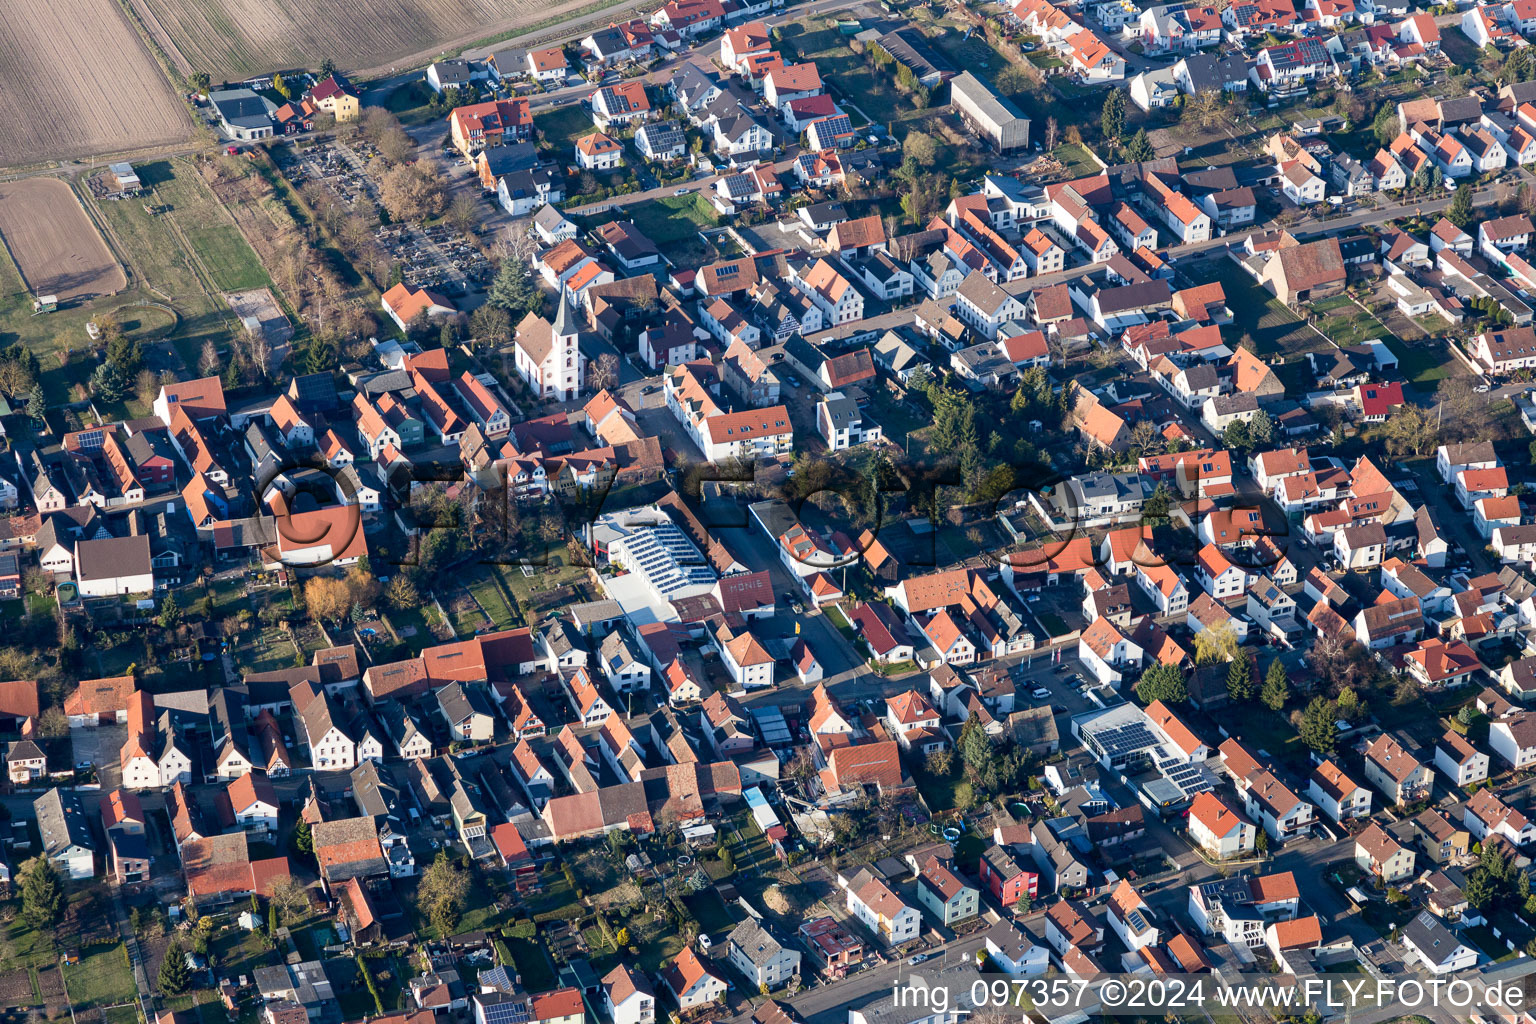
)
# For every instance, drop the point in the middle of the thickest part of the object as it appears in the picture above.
(711, 913)
(1075, 160)
(1424, 363)
(1347, 323)
(674, 222)
(562, 126)
(532, 964)
(101, 978)
(939, 791)
(1274, 328)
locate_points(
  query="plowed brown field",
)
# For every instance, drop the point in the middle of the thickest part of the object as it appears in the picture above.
(233, 39)
(54, 243)
(77, 81)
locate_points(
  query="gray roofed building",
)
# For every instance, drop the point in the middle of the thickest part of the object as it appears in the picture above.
(910, 48)
(65, 833)
(758, 954)
(375, 791)
(897, 355)
(113, 565)
(693, 87)
(661, 140)
(243, 114)
(1436, 945)
(1208, 72)
(822, 217)
(313, 392)
(994, 118)
(404, 731)
(983, 366)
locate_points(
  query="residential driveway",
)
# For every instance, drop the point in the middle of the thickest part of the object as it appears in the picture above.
(101, 746)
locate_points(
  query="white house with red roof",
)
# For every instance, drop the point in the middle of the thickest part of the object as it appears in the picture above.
(882, 632)
(689, 17)
(1337, 795)
(1437, 664)
(1382, 856)
(1104, 651)
(691, 982)
(914, 722)
(1131, 918)
(747, 661)
(1217, 575)
(1487, 814)
(1219, 829)
(879, 909)
(200, 399)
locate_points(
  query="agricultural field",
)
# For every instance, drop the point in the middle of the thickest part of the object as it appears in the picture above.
(79, 83)
(56, 247)
(232, 39)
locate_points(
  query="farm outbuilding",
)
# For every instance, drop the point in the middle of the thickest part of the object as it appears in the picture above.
(123, 178)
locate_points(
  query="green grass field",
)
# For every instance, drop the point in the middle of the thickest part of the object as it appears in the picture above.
(101, 978)
(673, 219)
(1274, 328)
(532, 964)
(1424, 363)
(1346, 323)
(230, 261)
(1076, 160)
(562, 126)
(710, 911)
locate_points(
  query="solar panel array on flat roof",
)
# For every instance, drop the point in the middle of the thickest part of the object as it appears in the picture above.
(1190, 779)
(1126, 739)
(668, 559)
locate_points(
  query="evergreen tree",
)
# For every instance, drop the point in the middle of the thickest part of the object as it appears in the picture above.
(514, 290)
(320, 356)
(303, 841)
(175, 976)
(1460, 212)
(1261, 430)
(1317, 725)
(1480, 889)
(1240, 679)
(1154, 511)
(37, 402)
(975, 750)
(1162, 682)
(1139, 148)
(42, 893)
(170, 612)
(1112, 115)
(1277, 686)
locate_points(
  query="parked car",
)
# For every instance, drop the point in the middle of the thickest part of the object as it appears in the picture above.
(1040, 693)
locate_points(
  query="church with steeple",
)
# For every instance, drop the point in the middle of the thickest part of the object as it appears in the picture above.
(549, 356)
